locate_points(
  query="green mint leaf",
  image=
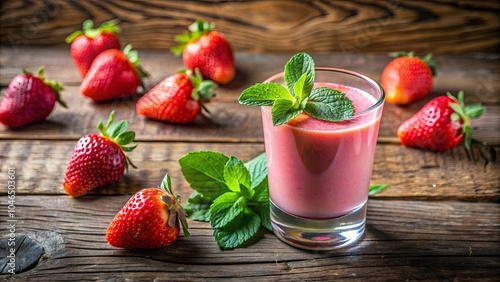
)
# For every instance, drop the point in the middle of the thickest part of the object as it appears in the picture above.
(257, 168)
(197, 207)
(235, 173)
(260, 203)
(330, 105)
(283, 111)
(204, 171)
(226, 208)
(377, 188)
(301, 93)
(264, 94)
(297, 66)
(242, 228)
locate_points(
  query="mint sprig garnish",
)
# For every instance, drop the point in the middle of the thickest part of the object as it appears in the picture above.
(233, 196)
(299, 95)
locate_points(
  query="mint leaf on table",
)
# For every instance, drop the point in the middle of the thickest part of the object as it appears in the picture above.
(238, 195)
(299, 96)
(204, 171)
(197, 207)
(377, 188)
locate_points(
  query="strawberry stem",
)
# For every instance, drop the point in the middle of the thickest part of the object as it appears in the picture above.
(177, 213)
(91, 32)
(464, 113)
(117, 132)
(197, 29)
(133, 58)
(203, 90)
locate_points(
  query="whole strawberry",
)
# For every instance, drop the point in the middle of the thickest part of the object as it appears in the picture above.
(86, 44)
(408, 78)
(178, 98)
(150, 219)
(29, 99)
(441, 124)
(99, 160)
(208, 50)
(114, 74)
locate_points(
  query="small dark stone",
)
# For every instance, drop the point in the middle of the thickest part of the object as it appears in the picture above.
(25, 255)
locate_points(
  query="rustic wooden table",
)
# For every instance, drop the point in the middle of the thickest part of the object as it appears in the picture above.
(438, 220)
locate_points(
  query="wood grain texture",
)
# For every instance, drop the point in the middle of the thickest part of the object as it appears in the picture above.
(478, 77)
(455, 26)
(411, 173)
(404, 240)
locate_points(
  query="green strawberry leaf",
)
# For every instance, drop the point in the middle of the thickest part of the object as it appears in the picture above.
(117, 132)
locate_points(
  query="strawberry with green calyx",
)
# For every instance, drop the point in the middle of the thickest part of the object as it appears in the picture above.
(29, 99)
(99, 160)
(89, 42)
(408, 78)
(178, 98)
(207, 50)
(151, 218)
(441, 124)
(114, 74)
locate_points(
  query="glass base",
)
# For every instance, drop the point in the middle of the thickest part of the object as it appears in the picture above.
(318, 234)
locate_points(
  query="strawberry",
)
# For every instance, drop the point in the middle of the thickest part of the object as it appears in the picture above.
(408, 78)
(99, 160)
(29, 99)
(113, 74)
(208, 50)
(178, 98)
(441, 124)
(86, 44)
(150, 219)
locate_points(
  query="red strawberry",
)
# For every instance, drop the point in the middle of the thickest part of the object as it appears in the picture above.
(178, 98)
(99, 160)
(207, 50)
(86, 44)
(441, 124)
(150, 219)
(114, 74)
(29, 99)
(408, 78)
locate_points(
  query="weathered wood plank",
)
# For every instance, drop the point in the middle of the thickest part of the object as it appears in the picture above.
(405, 240)
(411, 173)
(269, 26)
(231, 122)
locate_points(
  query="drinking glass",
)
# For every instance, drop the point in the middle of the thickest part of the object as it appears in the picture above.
(319, 172)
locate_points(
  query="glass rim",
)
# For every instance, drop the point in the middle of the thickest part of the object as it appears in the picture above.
(374, 83)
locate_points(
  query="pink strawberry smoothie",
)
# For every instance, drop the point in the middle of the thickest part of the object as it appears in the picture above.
(320, 169)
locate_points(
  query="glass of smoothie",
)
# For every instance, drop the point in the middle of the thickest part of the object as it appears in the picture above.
(319, 171)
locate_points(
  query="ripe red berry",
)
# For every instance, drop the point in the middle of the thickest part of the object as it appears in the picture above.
(441, 124)
(207, 50)
(151, 218)
(407, 78)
